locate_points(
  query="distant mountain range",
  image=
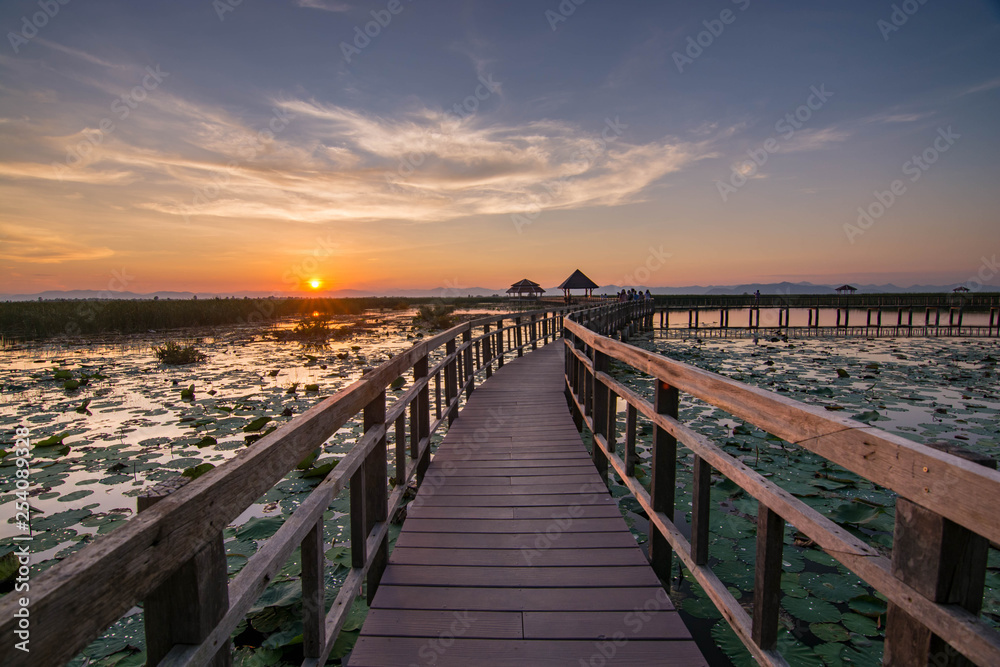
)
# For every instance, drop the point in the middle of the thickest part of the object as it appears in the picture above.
(447, 292)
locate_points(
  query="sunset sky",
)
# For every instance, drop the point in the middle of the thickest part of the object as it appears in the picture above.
(258, 145)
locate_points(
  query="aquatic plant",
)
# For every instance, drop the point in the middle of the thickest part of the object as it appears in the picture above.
(174, 354)
(435, 316)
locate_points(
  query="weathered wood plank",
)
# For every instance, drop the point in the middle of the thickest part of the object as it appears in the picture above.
(551, 540)
(377, 651)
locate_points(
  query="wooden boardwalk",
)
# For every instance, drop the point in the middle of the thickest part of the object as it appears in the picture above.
(513, 553)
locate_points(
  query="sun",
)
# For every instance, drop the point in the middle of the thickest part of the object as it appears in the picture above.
(315, 283)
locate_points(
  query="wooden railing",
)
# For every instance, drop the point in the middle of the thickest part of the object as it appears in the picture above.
(946, 513)
(170, 555)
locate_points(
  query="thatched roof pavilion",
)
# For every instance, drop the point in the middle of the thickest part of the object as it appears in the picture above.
(525, 289)
(846, 289)
(578, 281)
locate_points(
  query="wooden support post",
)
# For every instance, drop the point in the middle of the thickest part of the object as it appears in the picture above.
(664, 478)
(630, 432)
(600, 412)
(534, 332)
(487, 351)
(767, 577)
(941, 560)
(700, 505)
(612, 425)
(401, 449)
(186, 607)
(499, 342)
(450, 388)
(359, 535)
(420, 419)
(470, 374)
(437, 396)
(313, 592)
(376, 494)
(518, 337)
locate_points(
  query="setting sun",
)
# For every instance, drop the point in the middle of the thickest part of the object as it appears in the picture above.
(315, 283)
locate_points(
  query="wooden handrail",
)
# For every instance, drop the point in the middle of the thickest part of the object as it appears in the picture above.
(75, 600)
(945, 484)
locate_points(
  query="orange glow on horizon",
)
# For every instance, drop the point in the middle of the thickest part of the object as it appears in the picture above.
(315, 283)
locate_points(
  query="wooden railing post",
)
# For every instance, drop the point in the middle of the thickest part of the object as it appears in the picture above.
(534, 332)
(700, 510)
(190, 603)
(767, 577)
(450, 390)
(499, 345)
(600, 413)
(664, 478)
(518, 337)
(376, 498)
(313, 593)
(469, 376)
(943, 561)
(487, 351)
(420, 420)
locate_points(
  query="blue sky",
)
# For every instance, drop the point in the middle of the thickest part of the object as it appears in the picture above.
(206, 146)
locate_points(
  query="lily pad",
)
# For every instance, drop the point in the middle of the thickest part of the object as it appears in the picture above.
(829, 632)
(197, 471)
(857, 513)
(52, 440)
(811, 610)
(259, 528)
(76, 495)
(256, 424)
(868, 605)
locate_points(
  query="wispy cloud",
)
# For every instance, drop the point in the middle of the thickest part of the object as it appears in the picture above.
(23, 244)
(77, 53)
(983, 87)
(812, 140)
(324, 5)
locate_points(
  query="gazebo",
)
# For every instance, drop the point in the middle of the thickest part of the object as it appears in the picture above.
(846, 289)
(578, 281)
(961, 288)
(525, 289)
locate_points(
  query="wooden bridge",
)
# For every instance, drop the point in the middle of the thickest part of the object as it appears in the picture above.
(512, 552)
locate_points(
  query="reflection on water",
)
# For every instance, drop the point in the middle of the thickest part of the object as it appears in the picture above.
(127, 426)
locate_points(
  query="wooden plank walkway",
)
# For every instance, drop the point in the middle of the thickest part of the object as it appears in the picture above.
(513, 552)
